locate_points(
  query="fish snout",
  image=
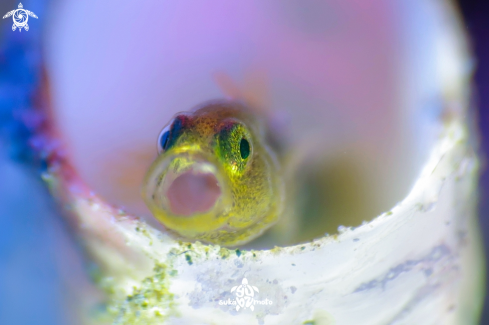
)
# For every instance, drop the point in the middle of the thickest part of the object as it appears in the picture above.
(186, 185)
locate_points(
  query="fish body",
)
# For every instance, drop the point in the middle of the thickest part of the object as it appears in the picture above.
(217, 179)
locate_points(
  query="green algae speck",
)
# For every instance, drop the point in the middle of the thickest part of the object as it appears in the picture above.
(224, 253)
(189, 259)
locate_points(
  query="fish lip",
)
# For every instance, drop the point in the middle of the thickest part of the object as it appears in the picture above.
(169, 166)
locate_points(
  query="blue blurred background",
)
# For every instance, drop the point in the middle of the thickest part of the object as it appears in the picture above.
(32, 285)
(32, 289)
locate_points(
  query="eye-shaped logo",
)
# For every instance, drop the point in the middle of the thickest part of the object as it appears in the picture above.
(20, 17)
(244, 295)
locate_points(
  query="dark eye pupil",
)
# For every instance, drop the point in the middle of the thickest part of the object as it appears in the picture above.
(244, 147)
(164, 140)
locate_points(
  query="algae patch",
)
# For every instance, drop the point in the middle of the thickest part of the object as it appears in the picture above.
(149, 303)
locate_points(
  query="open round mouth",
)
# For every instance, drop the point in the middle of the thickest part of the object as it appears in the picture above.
(193, 192)
(185, 185)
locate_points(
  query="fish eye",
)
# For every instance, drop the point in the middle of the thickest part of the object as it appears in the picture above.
(163, 139)
(244, 148)
(170, 134)
(234, 145)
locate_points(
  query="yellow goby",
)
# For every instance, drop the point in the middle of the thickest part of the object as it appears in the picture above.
(217, 179)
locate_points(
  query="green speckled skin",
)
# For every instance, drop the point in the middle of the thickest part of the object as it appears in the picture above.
(251, 187)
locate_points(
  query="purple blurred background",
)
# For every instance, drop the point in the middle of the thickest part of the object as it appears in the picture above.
(32, 289)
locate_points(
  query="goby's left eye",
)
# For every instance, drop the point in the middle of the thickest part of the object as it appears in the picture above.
(244, 148)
